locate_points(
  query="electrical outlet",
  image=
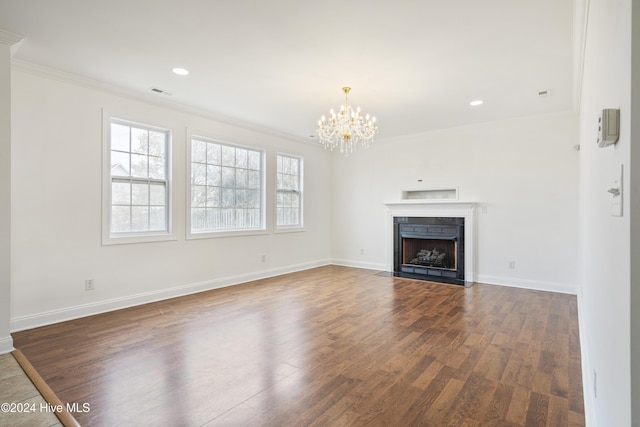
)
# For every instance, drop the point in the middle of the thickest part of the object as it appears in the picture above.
(361, 251)
(264, 258)
(512, 265)
(88, 285)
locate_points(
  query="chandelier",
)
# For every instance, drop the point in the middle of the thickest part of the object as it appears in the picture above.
(347, 128)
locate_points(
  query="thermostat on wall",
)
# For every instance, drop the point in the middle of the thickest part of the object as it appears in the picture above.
(608, 127)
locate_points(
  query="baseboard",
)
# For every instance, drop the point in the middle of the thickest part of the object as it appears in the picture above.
(537, 285)
(6, 345)
(480, 278)
(359, 264)
(587, 379)
(55, 316)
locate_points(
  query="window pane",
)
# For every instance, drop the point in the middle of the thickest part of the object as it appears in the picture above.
(198, 196)
(157, 219)
(228, 156)
(213, 154)
(198, 174)
(139, 166)
(198, 218)
(241, 158)
(241, 198)
(120, 193)
(228, 177)
(140, 218)
(254, 160)
(227, 219)
(140, 194)
(198, 151)
(253, 198)
(157, 167)
(254, 179)
(119, 163)
(214, 175)
(157, 195)
(213, 197)
(216, 220)
(119, 137)
(228, 197)
(120, 219)
(139, 141)
(157, 143)
(242, 178)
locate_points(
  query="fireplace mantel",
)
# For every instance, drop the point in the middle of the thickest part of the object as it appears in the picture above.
(422, 208)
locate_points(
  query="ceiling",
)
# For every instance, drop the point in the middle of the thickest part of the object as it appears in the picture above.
(279, 65)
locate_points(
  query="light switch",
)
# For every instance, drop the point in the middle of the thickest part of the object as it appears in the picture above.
(616, 193)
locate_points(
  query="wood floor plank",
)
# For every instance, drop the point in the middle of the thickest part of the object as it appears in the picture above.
(326, 346)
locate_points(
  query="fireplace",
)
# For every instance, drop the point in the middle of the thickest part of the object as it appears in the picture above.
(429, 248)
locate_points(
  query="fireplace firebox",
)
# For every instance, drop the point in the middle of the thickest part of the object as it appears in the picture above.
(429, 248)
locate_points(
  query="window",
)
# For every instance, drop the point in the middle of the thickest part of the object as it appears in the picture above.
(289, 192)
(137, 193)
(226, 187)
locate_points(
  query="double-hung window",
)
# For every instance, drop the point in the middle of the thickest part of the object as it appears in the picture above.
(137, 194)
(227, 188)
(288, 192)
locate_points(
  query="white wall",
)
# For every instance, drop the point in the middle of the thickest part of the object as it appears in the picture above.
(634, 191)
(6, 342)
(605, 239)
(56, 206)
(524, 172)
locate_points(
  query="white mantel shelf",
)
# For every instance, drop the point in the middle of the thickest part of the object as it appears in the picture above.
(436, 208)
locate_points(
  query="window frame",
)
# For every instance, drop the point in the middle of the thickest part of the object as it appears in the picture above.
(109, 237)
(207, 234)
(300, 225)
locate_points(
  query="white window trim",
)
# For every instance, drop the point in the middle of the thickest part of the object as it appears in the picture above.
(289, 228)
(212, 234)
(109, 238)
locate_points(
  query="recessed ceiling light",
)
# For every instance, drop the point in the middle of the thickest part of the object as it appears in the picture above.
(476, 102)
(180, 71)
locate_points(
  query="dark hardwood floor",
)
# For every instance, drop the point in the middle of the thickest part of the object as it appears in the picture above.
(332, 346)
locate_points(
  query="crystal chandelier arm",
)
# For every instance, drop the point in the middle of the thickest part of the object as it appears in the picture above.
(347, 128)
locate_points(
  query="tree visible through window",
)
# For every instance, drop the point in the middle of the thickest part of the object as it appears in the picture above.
(139, 178)
(289, 191)
(226, 187)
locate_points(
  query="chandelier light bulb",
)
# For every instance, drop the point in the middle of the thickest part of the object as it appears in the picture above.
(348, 130)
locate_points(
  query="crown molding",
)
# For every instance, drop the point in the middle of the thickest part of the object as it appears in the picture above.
(153, 99)
(9, 38)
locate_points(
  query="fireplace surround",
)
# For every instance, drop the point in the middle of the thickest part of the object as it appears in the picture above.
(429, 248)
(461, 216)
